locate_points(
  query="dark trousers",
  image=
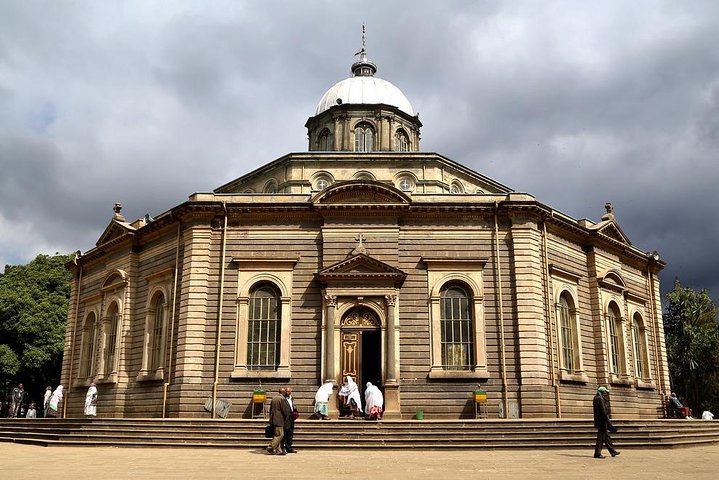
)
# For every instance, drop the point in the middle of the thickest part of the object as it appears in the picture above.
(603, 438)
(289, 435)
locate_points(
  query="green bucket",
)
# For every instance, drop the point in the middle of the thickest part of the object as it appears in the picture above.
(419, 415)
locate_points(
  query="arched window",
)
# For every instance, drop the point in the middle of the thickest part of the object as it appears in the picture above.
(641, 362)
(157, 335)
(111, 345)
(456, 328)
(364, 138)
(325, 141)
(456, 187)
(401, 141)
(89, 339)
(616, 342)
(263, 339)
(568, 334)
(270, 186)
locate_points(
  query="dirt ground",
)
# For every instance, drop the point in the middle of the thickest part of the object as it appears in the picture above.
(106, 463)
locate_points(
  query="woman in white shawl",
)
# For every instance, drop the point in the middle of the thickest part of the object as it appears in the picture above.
(351, 396)
(55, 400)
(91, 401)
(322, 398)
(374, 401)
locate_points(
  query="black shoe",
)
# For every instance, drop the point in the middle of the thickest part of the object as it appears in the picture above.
(281, 452)
(598, 456)
(614, 454)
(291, 450)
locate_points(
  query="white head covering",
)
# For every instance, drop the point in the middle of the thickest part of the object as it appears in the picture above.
(350, 390)
(323, 393)
(373, 397)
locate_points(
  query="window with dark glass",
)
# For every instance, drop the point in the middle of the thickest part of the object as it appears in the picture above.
(456, 328)
(111, 347)
(158, 325)
(263, 342)
(614, 320)
(401, 141)
(364, 138)
(88, 346)
(326, 141)
(640, 353)
(566, 327)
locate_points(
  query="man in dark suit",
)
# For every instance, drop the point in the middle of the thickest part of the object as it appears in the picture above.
(290, 422)
(279, 411)
(602, 423)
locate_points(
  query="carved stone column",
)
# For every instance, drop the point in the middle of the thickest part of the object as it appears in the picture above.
(330, 374)
(391, 387)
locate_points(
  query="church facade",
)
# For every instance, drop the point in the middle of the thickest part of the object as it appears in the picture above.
(365, 256)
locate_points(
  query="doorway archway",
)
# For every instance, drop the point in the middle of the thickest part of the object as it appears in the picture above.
(361, 347)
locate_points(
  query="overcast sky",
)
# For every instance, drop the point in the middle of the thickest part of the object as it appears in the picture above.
(577, 103)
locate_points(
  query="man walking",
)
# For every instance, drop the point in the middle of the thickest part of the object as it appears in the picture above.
(18, 398)
(279, 411)
(602, 423)
(290, 422)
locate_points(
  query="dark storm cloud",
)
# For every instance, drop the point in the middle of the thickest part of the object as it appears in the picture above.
(147, 102)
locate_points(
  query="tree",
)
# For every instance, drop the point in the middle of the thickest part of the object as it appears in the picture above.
(34, 302)
(692, 335)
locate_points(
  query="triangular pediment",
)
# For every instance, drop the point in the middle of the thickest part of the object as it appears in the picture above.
(611, 230)
(361, 267)
(114, 230)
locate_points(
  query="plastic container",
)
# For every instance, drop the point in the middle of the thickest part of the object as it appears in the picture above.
(419, 415)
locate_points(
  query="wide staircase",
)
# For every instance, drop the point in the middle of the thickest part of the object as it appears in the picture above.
(397, 434)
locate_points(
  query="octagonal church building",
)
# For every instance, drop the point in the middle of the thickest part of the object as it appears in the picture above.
(365, 256)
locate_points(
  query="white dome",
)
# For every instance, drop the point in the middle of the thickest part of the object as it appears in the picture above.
(364, 90)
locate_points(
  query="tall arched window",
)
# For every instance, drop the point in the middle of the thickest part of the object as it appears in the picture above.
(364, 138)
(89, 339)
(263, 341)
(616, 343)
(401, 141)
(326, 141)
(456, 328)
(568, 334)
(158, 330)
(641, 362)
(111, 346)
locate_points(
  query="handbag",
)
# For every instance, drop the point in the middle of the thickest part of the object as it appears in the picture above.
(269, 431)
(295, 414)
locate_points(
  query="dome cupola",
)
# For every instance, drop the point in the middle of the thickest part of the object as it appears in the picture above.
(364, 113)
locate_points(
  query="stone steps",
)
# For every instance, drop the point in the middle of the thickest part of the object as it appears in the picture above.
(433, 434)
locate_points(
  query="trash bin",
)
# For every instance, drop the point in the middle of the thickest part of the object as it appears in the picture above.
(419, 415)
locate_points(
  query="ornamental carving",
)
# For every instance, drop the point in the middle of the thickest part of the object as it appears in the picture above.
(390, 299)
(360, 318)
(331, 300)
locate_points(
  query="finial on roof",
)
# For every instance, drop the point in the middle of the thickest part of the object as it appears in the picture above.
(117, 215)
(363, 67)
(610, 209)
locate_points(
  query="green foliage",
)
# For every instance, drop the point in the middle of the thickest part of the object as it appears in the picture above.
(692, 336)
(33, 313)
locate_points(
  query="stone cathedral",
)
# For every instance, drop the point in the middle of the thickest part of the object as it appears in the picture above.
(365, 256)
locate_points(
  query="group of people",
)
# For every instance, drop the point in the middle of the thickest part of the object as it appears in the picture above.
(20, 405)
(351, 400)
(283, 414)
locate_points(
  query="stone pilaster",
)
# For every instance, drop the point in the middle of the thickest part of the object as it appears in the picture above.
(529, 299)
(391, 386)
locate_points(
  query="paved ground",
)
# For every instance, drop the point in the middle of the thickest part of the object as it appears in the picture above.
(106, 463)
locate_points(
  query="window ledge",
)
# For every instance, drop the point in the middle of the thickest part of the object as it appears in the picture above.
(280, 374)
(111, 378)
(644, 384)
(438, 373)
(145, 376)
(578, 377)
(622, 381)
(81, 382)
